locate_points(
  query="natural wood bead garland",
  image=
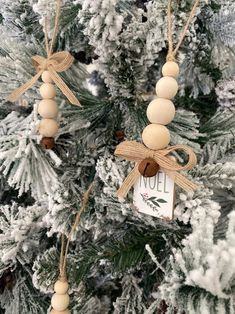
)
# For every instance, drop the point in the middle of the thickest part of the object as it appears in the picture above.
(47, 69)
(154, 153)
(161, 111)
(60, 299)
(48, 110)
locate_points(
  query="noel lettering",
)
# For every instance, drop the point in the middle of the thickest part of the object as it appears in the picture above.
(158, 182)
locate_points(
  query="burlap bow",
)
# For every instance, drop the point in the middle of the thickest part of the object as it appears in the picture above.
(57, 62)
(54, 63)
(133, 151)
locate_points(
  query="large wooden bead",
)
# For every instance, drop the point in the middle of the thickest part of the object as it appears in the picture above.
(161, 111)
(156, 136)
(167, 87)
(47, 90)
(48, 127)
(60, 312)
(61, 287)
(60, 302)
(170, 68)
(48, 109)
(46, 77)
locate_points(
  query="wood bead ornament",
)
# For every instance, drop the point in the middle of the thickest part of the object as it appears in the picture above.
(167, 87)
(61, 287)
(48, 127)
(48, 109)
(154, 156)
(48, 69)
(161, 111)
(47, 91)
(60, 302)
(156, 136)
(46, 77)
(170, 68)
(60, 299)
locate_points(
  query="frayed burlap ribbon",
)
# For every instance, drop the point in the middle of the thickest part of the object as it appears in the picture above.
(134, 151)
(54, 63)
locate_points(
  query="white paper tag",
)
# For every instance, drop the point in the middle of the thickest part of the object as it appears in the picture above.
(155, 196)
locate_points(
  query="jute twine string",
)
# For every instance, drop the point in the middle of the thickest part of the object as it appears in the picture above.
(54, 63)
(64, 244)
(134, 151)
(171, 51)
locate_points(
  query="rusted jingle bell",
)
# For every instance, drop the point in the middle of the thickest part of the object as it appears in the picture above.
(48, 142)
(148, 167)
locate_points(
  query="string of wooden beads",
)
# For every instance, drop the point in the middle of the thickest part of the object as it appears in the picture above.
(60, 299)
(161, 111)
(48, 110)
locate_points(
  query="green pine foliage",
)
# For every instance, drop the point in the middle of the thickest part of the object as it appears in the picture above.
(120, 261)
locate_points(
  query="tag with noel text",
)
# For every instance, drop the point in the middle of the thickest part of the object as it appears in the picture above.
(155, 196)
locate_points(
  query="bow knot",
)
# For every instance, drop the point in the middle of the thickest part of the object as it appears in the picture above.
(41, 63)
(133, 151)
(54, 63)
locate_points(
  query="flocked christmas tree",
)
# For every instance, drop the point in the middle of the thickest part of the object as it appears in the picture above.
(120, 261)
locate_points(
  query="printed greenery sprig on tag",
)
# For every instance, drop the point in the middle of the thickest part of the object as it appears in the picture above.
(153, 201)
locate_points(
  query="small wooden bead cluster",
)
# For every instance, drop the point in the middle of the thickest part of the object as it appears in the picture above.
(161, 111)
(48, 110)
(60, 299)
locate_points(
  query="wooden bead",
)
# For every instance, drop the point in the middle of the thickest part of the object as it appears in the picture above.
(60, 312)
(148, 167)
(156, 136)
(161, 111)
(61, 287)
(60, 302)
(170, 68)
(46, 77)
(167, 87)
(48, 109)
(48, 142)
(48, 127)
(47, 90)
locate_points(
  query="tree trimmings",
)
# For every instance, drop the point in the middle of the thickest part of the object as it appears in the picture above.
(48, 69)
(154, 155)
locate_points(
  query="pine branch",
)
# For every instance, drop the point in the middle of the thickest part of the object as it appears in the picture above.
(127, 251)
